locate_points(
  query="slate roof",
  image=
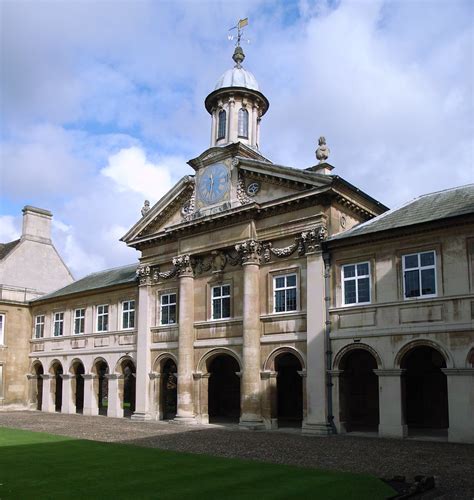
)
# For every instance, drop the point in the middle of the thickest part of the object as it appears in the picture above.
(430, 207)
(102, 279)
(6, 248)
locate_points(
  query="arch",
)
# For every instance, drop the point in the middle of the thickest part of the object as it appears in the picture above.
(269, 363)
(56, 370)
(221, 124)
(96, 362)
(36, 394)
(162, 359)
(412, 344)
(119, 364)
(358, 390)
(73, 365)
(77, 370)
(347, 348)
(54, 363)
(203, 363)
(127, 384)
(169, 388)
(35, 366)
(100, 369)
(243, 123)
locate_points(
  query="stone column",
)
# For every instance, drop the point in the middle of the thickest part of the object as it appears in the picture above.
(336, 404)
(91, 406)
(213, 127)
(114, 406)
(47, 403)
(269, 400)
(201, 396)
(460, 398)
(392, 420)
(251, 387)
(32, 384)
(316, 418)
(68, 404)
(185, 340)
(142, 393)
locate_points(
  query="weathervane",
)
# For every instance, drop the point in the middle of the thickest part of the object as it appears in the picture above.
(239, 55)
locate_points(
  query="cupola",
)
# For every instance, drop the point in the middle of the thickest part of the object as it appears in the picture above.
(236, 105)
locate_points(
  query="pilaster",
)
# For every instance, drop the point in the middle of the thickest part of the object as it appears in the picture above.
(185, 412)
(90, 398)
(336, 403)
(67, 403)
(156, 411)
(251, 389)
(392, 420)
(114, 408)
(460, 398)
(47, 403)
(269, 400)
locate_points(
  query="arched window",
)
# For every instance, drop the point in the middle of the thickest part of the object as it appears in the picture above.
(221, 125)
(243, 123)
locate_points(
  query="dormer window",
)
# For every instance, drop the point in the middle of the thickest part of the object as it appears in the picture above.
(243, 123)
(221, 125)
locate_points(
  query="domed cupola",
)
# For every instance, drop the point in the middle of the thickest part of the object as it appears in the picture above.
(236, 105)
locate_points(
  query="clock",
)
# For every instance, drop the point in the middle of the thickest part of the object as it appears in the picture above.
(213, 184)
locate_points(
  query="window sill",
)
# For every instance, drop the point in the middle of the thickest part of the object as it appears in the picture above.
(218, 322)
(278, 316)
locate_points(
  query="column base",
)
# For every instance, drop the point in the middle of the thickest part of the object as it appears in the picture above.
(114, 413)
(184, 420)
(140, 416)
(90, 411)
(322, 429)
(252, 425)
(393, 431)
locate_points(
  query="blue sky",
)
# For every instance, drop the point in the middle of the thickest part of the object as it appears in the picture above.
(102, 102)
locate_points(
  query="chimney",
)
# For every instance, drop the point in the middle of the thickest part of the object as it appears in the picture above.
(36, 224)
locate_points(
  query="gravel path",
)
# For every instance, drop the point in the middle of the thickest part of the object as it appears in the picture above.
(451, 464)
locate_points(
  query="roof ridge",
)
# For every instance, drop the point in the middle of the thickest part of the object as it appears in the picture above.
(105, 271)
(445, 190)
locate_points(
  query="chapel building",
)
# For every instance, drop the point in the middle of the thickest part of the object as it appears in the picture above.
(261, 299)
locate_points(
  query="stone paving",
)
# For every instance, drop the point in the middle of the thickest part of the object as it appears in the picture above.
(451, 464)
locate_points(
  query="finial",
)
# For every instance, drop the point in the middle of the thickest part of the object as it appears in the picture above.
(145, 208)
(322, 153)
(239, 55)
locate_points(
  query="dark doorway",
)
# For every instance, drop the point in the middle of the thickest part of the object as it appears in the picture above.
(426, 389)
(169, 397)
(58, 387)
(359, 391)
(289, 390)
(224, 389)
(128, 388)
(102, 387)
(79, 386)
(39, 386)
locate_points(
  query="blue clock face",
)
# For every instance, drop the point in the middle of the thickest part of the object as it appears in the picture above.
(213, 184)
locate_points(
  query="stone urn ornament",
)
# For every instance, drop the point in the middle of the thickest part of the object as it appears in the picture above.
(322, 153)
(145, 208)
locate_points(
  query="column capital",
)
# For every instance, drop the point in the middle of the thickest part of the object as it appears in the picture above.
(182, 263)
(391, 372)
(268, 374)
(89, 376)
(112, 376)
(250, 251)
(463, 372)
(336, 373)
(302, 373)
(66, 376)
(30, 376)
(154, 375)
(46, 376)
(199, 375)
(313, 238)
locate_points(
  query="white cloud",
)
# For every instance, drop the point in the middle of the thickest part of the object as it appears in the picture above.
(9, 228)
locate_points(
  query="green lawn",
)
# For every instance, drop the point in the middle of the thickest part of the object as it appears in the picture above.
(38, 465)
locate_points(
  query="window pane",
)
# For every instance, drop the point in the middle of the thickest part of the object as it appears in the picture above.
(173, 298)
(428, 285)
(279, 282)
(412, 286)
(291, 299)
(427, 259)
(291, 280)
(350, 292)
(411, 261)
(364, 290)
(172, 314)
(125, 320)
(349, 271)
(216, 291)
(106, 322)
(131, 323)
(226, 290)
(164, 315)
(221, 125)
(363, 269)
(217, 310)
(279, 300)
(164, 299)
(226, 307)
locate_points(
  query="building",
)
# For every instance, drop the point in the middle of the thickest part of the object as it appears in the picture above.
(237, 311)
(29, 268)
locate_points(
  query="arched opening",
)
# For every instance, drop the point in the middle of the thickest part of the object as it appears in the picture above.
(38, 396)
(128, 370)
(289, 390)
(224, 389)
(101, 369)
(78, 386)
(470, 359)
(169, 396)
(221, 125)
(57, 386)
(359, 391)
(425, 389)
(243, 123)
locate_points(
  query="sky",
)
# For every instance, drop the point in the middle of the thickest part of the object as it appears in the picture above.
(102, 102)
